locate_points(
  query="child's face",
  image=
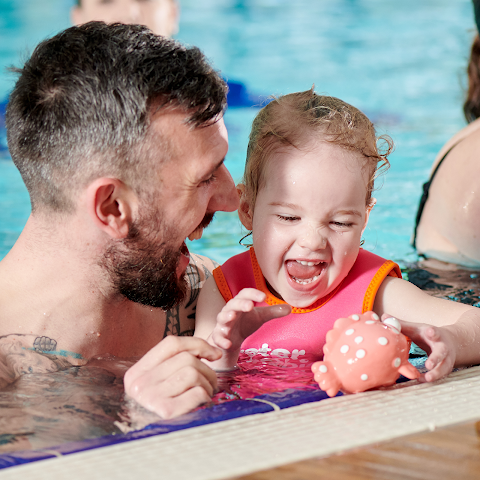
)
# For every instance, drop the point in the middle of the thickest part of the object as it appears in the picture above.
(308, 220)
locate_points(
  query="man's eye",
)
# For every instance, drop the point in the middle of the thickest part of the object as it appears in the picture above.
(209, 180)
(287, 218)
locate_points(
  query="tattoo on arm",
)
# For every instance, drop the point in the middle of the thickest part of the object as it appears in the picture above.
(194, 279)
(172, 322)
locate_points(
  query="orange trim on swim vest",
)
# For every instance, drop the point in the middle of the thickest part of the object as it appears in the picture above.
(222, 284)
(389, 268)
(273, 300)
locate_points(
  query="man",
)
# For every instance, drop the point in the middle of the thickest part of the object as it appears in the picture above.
(119, 137)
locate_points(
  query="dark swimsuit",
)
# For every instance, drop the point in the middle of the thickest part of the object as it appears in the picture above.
(424, 198)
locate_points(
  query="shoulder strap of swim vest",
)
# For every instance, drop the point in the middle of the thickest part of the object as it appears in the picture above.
(234, 275)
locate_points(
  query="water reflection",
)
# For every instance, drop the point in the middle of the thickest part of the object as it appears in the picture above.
(43, 410)
(79, 403)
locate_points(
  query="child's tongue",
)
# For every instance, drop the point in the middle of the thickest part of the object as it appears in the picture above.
(303, 272)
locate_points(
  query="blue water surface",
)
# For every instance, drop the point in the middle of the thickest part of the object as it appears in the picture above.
(403, 63)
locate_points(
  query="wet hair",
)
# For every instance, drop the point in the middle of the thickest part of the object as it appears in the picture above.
(296, 119)
(471, 107)
(83, 103)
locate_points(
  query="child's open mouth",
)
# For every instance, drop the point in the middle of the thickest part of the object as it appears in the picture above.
(304, 272)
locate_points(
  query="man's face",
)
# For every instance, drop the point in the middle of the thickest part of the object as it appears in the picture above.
(189, 187)
(194, 183)
(161, 16)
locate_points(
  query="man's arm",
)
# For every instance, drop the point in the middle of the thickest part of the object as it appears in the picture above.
(180, 320)
(171, 378)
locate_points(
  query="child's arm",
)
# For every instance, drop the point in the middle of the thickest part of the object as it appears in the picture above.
(226, 325)
(448, 331)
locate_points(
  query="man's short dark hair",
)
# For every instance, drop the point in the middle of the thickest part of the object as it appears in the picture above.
(83, 102)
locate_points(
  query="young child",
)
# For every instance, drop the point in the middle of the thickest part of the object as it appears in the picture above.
(306, 198)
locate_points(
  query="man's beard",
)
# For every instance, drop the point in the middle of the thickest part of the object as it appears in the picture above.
(144, 271)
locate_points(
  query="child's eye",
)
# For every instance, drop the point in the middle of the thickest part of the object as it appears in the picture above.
(287, 218)
(342, 224)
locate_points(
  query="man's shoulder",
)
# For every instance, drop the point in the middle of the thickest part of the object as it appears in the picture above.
(180, 320)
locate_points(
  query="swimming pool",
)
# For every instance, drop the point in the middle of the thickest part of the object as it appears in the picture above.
(401, 62)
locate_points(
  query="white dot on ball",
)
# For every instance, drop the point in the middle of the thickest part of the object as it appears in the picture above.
(323, 369)
(350, 361)
(397, 362)
(369, 322)
(349, 331)
(355, 317)
(364, 377)
(360, 353)
(344, 348)
(394, 324)
(358, 340)
(382, 340)
(375, 316)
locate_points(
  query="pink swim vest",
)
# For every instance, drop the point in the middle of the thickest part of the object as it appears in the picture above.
(300, 336)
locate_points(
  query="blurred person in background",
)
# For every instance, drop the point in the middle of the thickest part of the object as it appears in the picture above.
(160, 16)
(446, 225)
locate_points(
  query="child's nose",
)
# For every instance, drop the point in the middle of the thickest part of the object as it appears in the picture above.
(313, 238)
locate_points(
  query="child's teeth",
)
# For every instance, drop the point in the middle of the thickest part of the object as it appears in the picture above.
(308, 264)
(307, 281)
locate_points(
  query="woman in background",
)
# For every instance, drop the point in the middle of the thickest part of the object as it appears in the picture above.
(447, 226)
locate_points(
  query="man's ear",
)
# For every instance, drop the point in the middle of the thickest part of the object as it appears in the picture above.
(111, 206)
(368, 210)
(244, 211)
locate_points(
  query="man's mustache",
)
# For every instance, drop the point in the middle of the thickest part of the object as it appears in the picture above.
(207, 219)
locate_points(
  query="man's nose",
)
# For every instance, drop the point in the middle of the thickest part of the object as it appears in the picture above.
(225, 197)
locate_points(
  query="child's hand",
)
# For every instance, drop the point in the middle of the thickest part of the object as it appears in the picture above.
(239, 318)
(438, 342)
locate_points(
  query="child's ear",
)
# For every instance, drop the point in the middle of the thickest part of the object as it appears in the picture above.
(245, 213)
(369, 208)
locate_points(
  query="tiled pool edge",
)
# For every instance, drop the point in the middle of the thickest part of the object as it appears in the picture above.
(217, 413)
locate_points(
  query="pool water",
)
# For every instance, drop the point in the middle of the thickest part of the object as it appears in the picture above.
(402, 63)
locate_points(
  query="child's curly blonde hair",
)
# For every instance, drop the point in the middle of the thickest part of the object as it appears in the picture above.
(297, 118)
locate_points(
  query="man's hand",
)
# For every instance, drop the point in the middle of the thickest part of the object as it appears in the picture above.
(438, 342)
(170, 379)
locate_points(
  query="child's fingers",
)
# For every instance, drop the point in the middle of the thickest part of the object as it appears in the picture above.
(251, 294)
(416, 333)
(221, 340)
(440, 362)
(275, 311)
(236, 305)
(440, 370)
